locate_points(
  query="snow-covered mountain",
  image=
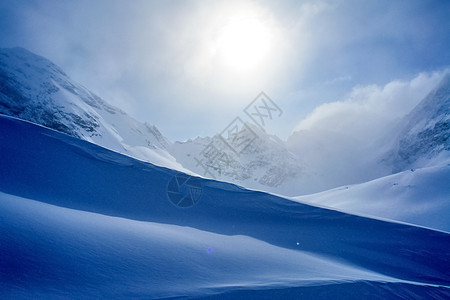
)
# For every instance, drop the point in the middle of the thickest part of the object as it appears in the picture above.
(263, 162)
(34, 89)
(335, 157)
(78, 220)
(319, 159)
(81, 221)
(425, 136)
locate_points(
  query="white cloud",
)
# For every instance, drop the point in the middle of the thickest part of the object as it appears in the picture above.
(341, 142)
(371, 106)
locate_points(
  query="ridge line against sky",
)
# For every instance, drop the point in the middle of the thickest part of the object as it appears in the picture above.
(168, 62)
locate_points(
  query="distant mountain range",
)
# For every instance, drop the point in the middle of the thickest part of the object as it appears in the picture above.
(265, 163)
(309, 162)
(34, 89)
(79, 221)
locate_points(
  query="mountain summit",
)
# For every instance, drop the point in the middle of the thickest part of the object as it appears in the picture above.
(33, 88)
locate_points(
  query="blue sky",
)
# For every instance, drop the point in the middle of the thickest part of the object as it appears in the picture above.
(168, 62)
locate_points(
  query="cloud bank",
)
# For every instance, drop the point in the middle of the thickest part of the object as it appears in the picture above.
(344, 141)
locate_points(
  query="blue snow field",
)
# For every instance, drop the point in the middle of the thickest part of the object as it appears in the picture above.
(81, 221)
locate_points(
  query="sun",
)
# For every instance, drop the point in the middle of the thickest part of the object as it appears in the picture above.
(243, 44)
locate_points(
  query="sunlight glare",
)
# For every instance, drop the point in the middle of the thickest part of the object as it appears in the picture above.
(243, 44)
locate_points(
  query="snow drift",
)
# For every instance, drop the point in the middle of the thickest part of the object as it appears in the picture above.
(417, 196)
(78, 220)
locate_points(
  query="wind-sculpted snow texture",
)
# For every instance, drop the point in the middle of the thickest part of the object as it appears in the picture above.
(80, 221)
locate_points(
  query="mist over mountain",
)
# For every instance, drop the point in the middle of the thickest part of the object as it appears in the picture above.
(338, 144)
(351, 141)
(425, 134)
(93, 203)
(78, 220)
(244, 149)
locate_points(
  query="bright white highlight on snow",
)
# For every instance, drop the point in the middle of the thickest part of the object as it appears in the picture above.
(244, 43)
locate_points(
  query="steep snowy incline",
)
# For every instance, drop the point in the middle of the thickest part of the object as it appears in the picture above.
(425, 137)
(96, 255)
(417, 196)
(49, 251)
(32, 88)
(142, 245)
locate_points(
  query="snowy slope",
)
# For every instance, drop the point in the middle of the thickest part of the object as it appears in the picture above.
(417, 196)
(91, 253)
(425, 137)
(80, 221)
(34, 89)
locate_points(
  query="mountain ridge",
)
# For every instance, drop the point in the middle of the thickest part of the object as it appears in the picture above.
(35, 89)
(80, 217)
